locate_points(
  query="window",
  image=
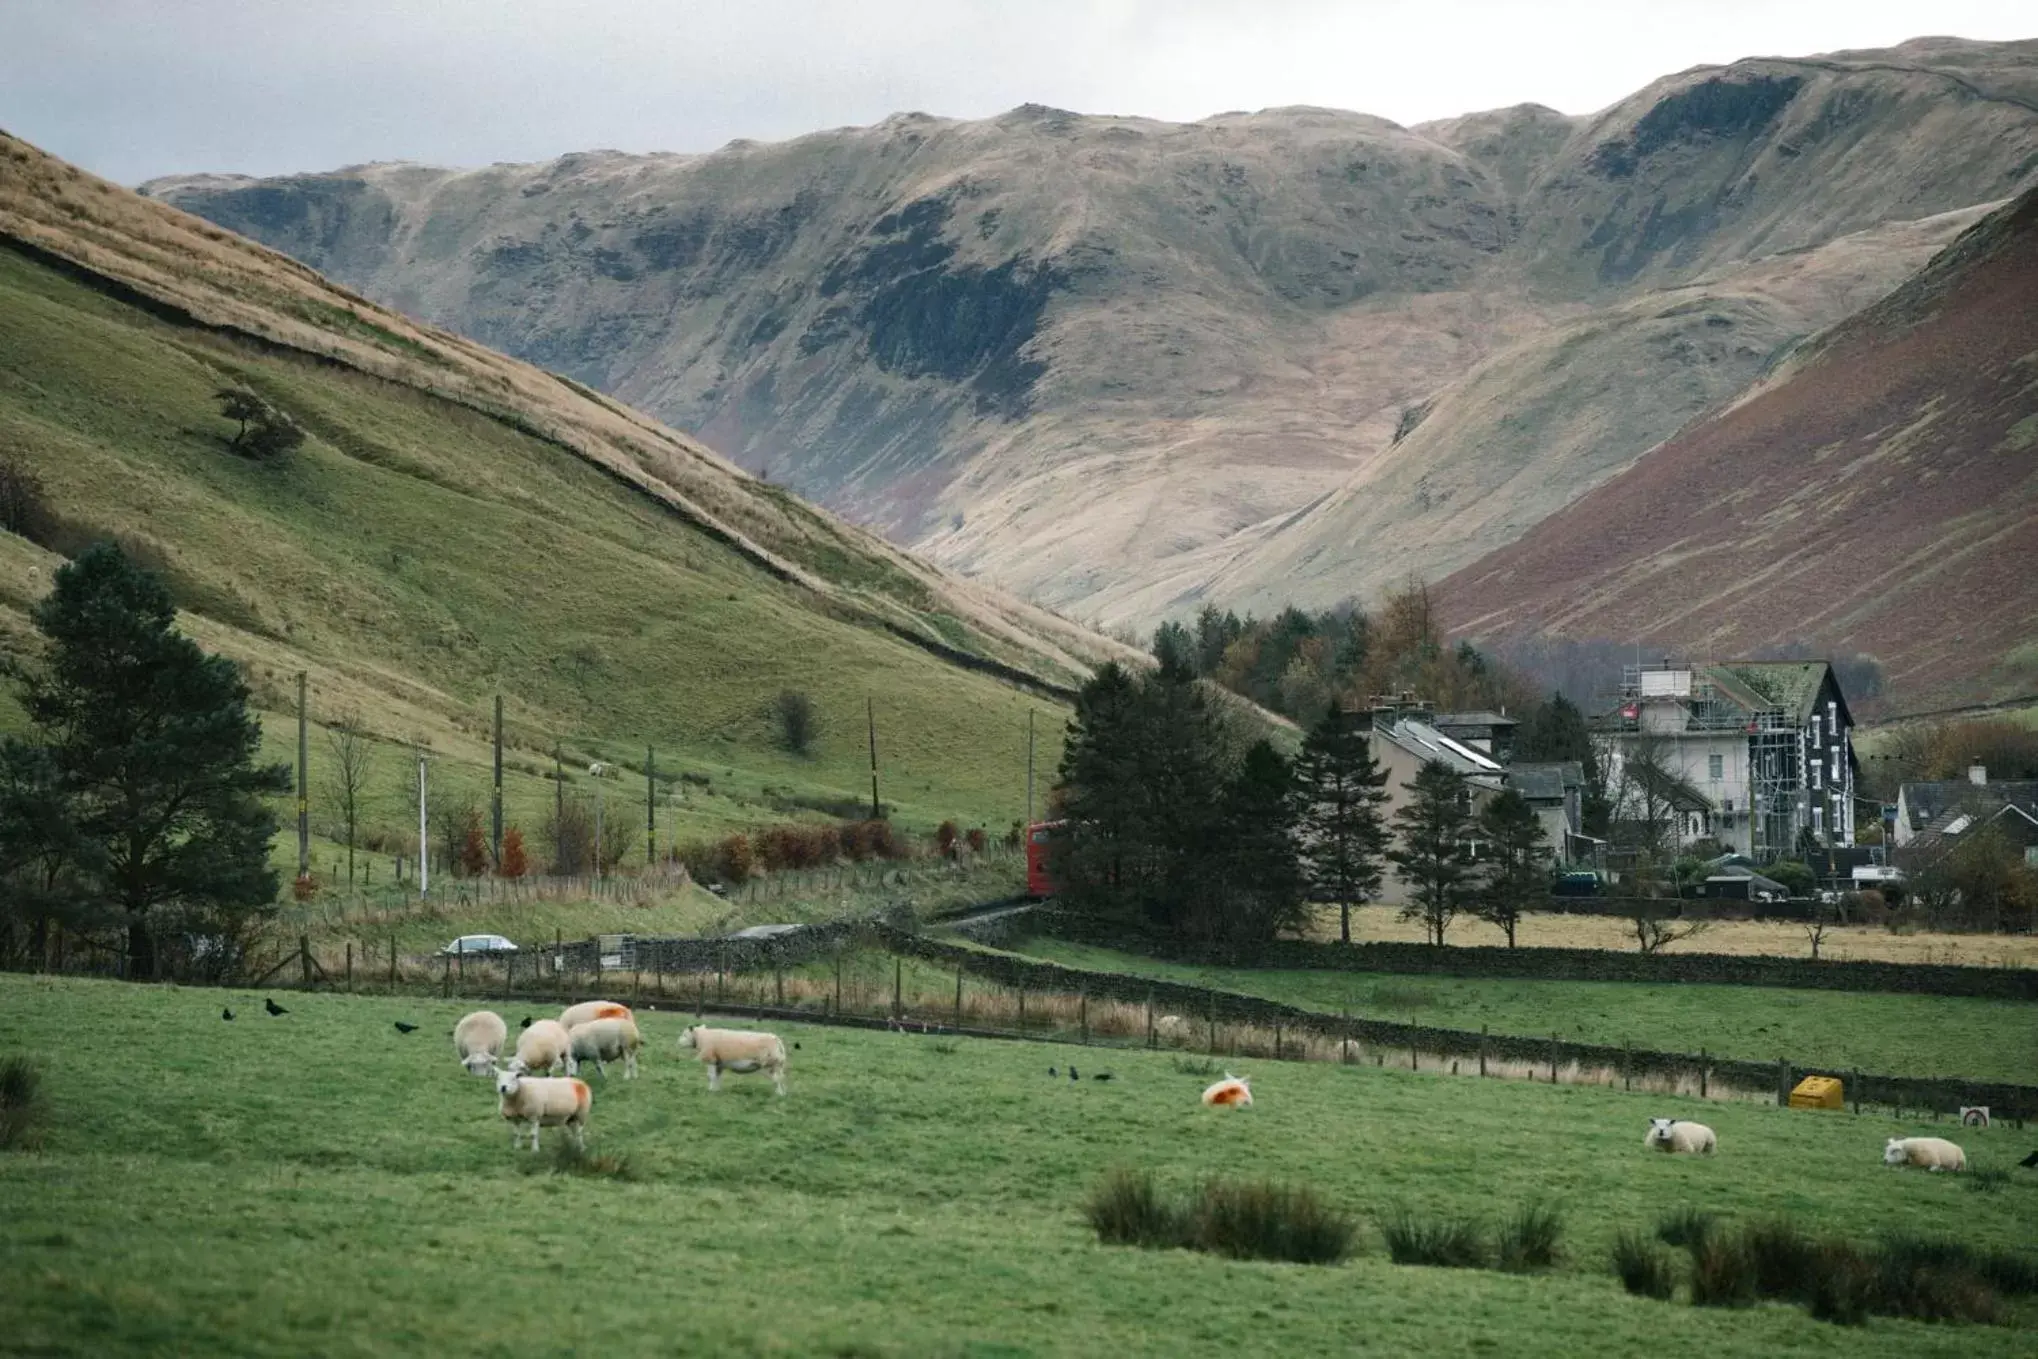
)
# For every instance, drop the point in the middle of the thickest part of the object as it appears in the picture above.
(1715, 767)
(1818, 820)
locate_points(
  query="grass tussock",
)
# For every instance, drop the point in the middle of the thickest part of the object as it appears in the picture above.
(1988, 1179)
(1685, 1227)
(1194, 1066)
(567, 1157)
(23, 1109)
(1643, 1267)
(1452, 1243)
(1529, 1239)
(1240, 1219)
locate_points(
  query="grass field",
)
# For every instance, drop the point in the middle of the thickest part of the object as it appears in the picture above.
(319, 1184)
(1886, 1034)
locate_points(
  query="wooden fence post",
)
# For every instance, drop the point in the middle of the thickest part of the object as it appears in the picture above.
(1022, 1007)
(898, 968)
(1277, 1040)
(1553, 1059)
(1482, 1049)
(1704, 1074)
(350, 965)
(304, 958)
(838, 981)
(1783, 1082)
(1083, 1016)
(1414, 1062)
(958, 998)
(778, 985)
(446, 979)
(1854, 1085)
(392, 964)
(1627, 1065)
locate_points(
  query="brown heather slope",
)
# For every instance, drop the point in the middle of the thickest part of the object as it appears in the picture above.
(1125, 365)
(1878, 495)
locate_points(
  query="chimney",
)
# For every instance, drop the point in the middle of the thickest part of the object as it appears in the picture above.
(1977, 774)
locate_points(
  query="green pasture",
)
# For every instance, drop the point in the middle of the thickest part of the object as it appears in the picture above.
(1888, 1034)
(321, 1184)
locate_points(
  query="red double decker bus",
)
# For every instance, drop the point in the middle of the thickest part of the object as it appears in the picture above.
(1039, 837)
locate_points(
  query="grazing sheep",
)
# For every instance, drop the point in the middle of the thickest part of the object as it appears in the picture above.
(543, 1046)
(602, 1041)
(478, 1040)
(1171, 1029)
(1229, 1093)
(736, 1050)
(1681, 1135)
(573, 1016)
(1933, 1153)
(543, 1101)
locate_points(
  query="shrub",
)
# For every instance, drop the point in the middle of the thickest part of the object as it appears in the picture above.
(473, 850)
(977, 839)
(734, 861)
(24, 505)
(515, 862)
(264, 432)
(794, 712)
(1454, 1243)
(303, 888)
(1685, 1227)
(1263, 1220)
(944, 838)
(22, 1108)
(1127, 1209)
(1194, 1066)
(1643, 1268)
(1528, 1240)
(1785, 1261)
(1931, 1280)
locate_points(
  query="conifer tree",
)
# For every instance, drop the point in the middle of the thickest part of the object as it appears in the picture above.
(1343, 832)
(1260, 872)
(1515, 875)
(1431, 828)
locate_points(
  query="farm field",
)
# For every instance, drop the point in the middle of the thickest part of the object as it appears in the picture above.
(320, 1184)
(1887, 1034)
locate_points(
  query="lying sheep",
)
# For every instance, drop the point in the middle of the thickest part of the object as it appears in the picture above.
(478, 1040)
(1680, 1135)
(573, 1016)
(1229, 1093)
(1933, 1153)
(543, 1101)
(602, 1041)
(736, 1050)
(1171, 1029)
(543, 1046)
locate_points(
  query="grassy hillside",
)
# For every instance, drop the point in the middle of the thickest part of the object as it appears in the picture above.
(320, 1183)
(424, 551)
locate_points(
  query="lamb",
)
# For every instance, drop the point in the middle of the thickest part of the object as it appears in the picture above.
(573, 1016)
(543, 1101)
(602, 1041)
(543, 1046)
(478, 1040)
(1681, 1135)
(1229, 1093)
(736, 1050)
(1933, 1153)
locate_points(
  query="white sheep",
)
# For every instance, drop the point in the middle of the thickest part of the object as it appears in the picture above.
(602, 1041)
(1681, 1135)
(1171, 1029)
(736, 1050)
(1933, 1153)
(478, 1040)
(543, 1046)
(1229, 1093)
(573, 1016)
(543, 1101)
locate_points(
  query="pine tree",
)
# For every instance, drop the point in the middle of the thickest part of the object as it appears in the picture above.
(1556, 730)
(1097, 858)
(1260, 873)
(1343, 832)
(1432, 827)
(1515, 875)
(154, 749)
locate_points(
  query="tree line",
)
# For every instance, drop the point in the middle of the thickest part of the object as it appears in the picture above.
(1179, 820)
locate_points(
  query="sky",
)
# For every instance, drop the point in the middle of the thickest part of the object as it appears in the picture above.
(131, 89)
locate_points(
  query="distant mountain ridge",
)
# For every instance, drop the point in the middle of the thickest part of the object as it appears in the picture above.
(1125, 366)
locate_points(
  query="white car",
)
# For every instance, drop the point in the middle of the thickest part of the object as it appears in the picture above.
(480, 943)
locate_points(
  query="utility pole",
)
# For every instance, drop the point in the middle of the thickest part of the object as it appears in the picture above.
(496, 810)
(1029, 768)
(303, 787)
(424, 842)
(650, 808)
(876, 808)
(558, 807)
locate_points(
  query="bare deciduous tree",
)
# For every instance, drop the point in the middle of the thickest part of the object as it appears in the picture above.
(346, 781)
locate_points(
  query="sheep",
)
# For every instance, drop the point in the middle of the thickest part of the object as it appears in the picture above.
(1933, 1153)
(573, 1016)
(543, 1046)
(478, 1040)
(602, 1041)
(1171, 1029)
(1229, 1093)
(543, 1101)
(736, 1050)
(1680, 1135)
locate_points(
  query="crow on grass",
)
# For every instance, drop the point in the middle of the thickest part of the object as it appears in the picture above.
(226, 1013)
(402, 1027)
(272, 1007)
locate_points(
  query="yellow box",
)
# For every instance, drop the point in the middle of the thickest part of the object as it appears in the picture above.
(1818, 1092)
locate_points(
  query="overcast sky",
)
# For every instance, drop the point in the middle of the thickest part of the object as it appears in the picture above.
(135, 88)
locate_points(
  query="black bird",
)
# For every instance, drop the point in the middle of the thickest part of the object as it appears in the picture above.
(1101, 1076)
(1072, 1074)
(226, 1013)
(796, 1045)
(1053, 1072)
(526, 1024)
(402, 1027)
(2029, 1161)
(272, 1007)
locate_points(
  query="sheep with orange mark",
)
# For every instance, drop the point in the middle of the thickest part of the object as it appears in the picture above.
(573, 1016)
(478, 1040)
(736, 1050)
(602, 1041)
(534, 1102)
(1229, 1093)
(544, 1046)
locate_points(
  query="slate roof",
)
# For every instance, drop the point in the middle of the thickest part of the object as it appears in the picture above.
(1477, 718)
(1790, 685)
(1927, 802)
(1427, 743)
(1545, 782)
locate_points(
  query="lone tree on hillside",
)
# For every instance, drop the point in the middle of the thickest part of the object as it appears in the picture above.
(795, 714)
(1515, 874)
(154, 750)
(265, 432)
(1432, 858)
(1343, 834)
(347, 773)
